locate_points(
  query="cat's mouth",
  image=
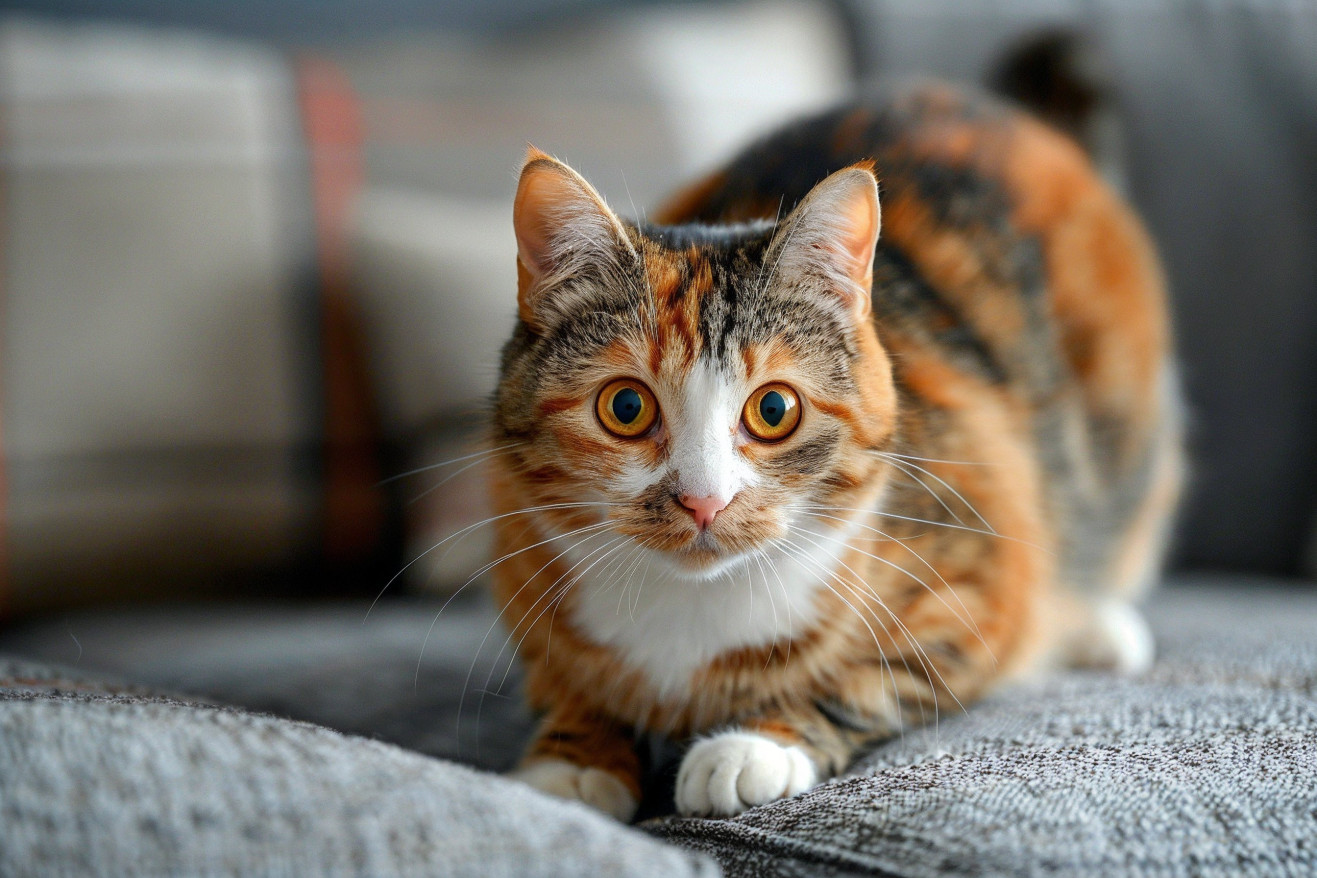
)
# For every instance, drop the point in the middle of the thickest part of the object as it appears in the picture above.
(659, 523)
(704, 552)
(704, 558)
(704, 555)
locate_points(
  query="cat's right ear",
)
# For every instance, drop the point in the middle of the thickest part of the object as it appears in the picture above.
(564, 229)
(828, 240)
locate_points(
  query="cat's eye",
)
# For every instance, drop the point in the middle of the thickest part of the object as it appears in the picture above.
(772, 412)
(627, 408)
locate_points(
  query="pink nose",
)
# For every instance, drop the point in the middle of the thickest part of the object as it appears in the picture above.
(703, 508)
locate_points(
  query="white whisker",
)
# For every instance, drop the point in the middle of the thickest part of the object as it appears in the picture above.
(786, 243)
(944, 484)
(499, 617)
(903, 467)
(940, 460)
(458, 534)
(446, 479)
(760, 276)
(967, 620)
(786, 601)
(921, 654)
(911, 518)
(599, 529)
(772, 605)
(803, 557)
(554, 592)
(486, 452)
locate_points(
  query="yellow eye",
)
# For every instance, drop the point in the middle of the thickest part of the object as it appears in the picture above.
(772, 412)
(627, 408)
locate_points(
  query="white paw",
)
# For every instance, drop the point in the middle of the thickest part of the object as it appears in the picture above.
(728, 773)
(595, 787)
(1117, 640)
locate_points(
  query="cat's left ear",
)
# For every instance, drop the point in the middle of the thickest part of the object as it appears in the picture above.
(829, 239)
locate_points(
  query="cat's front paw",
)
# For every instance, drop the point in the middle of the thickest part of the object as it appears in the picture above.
(728, 773)
(595, 787)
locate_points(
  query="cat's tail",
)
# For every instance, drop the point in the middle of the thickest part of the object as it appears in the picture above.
(1065, 78)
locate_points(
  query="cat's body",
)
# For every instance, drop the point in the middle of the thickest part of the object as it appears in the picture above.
(986, 456)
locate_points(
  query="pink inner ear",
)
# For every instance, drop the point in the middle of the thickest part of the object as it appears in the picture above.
(833, 233)
(543, 197)
(859, 223)
(560, 220)
(563, 227)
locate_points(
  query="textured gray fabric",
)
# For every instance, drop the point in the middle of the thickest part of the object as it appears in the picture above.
(102, 780)
(1205, 766)
(405, 672)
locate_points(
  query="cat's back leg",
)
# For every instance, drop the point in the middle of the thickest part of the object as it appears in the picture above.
(1109, 305)
(1104, 634)
(1140, 547)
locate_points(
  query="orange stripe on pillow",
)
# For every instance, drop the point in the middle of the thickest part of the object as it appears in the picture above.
(354, 513)
(6, 597)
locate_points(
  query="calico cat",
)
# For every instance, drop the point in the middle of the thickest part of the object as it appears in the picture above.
(777, 485)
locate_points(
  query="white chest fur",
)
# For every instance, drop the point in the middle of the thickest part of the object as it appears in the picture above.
(669, 626)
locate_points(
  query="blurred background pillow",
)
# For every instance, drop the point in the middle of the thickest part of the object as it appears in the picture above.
(162, 393)
(245, 282)
(258, 259)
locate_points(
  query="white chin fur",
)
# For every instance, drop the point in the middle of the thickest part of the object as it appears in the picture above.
(718, 568)
(669, 622)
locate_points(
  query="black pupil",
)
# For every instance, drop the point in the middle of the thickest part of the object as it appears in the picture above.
(627, 405)
(772, 407)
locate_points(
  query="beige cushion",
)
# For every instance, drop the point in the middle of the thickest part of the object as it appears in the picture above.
(161, 366)
(436, 279)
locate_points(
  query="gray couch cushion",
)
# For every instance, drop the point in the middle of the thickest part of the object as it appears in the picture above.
(404, 672)
(1205, 766)
(103, 780)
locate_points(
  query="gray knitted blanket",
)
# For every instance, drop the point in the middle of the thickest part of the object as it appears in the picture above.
(1206, 766)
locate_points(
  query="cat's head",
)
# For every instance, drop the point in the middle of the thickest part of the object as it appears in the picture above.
(702, 384)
